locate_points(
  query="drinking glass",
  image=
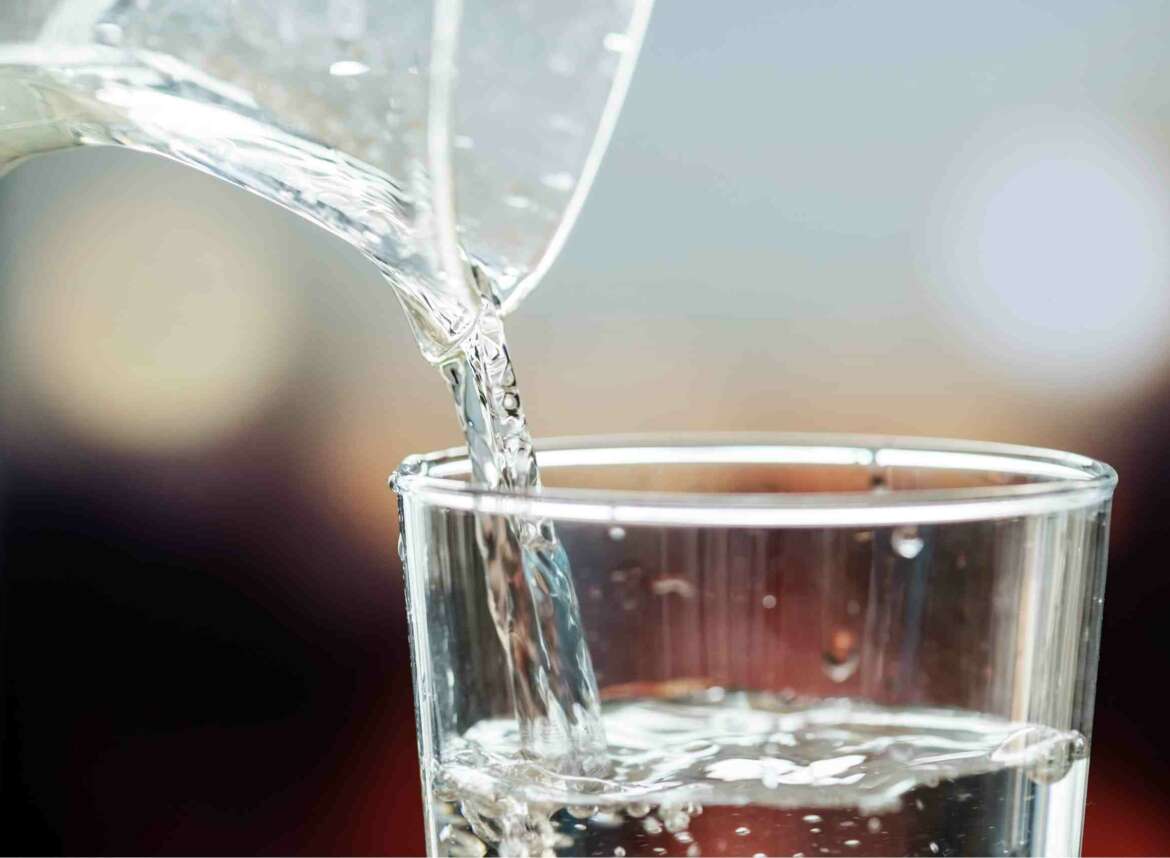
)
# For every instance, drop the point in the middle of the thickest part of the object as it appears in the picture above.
(803, 644)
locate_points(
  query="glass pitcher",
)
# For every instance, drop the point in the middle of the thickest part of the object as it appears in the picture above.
(453, 146)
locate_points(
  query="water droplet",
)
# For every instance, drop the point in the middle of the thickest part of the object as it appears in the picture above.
(637, 809)
(616, 42)
(348, 68)
(769, 602)
(1056, 760)
(812, 819)
(933, 848)
(906, 542)
(743, 831)
(617, 534)
(852, 844)
(873, 824)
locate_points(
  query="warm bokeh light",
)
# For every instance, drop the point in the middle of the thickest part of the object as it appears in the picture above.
(145, 342)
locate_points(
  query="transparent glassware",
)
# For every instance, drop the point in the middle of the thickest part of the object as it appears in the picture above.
(817, 645)
(431, 137)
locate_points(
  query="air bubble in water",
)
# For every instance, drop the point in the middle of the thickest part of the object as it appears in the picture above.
(581, 811)
(906, 542)
(693, 851)
(619, 852)
(933, 848)
(456, 842)
(637, 809)
(676, 821)
(769, 602)
(743, 831)
(874, 825)
(841, 658)
(811, 818)
(652, 825)
(673, 586)
(617, 534)
(852, 844)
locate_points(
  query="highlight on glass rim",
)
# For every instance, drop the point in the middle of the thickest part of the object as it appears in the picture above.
(789, 560)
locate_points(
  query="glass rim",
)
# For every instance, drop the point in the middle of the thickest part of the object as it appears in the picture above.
(1061, 481)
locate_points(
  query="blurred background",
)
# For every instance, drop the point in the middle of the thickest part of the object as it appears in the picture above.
(930, 219)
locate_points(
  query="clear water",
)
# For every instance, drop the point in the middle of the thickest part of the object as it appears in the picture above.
(745, 775)
(530, 584)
